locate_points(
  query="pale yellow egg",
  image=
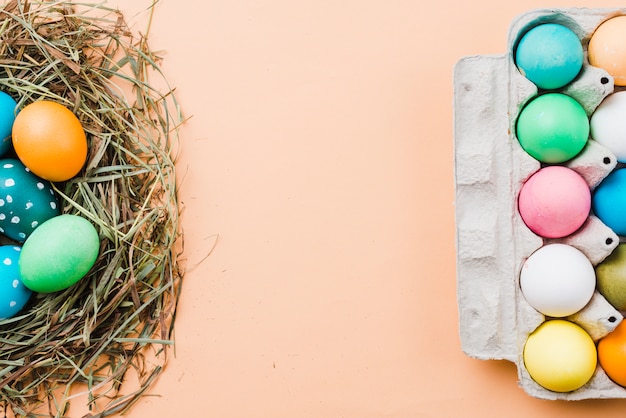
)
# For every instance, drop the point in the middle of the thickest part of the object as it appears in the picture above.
(560, 356)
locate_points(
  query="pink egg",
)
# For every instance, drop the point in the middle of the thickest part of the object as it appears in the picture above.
(554, 202)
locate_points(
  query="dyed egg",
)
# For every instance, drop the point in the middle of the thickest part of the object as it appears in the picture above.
(612, 354)
(26, 201)
(611, 278)
(553, 128)
(59, 253)
(49, 139)
(560, 356)
(608, 124)
(13, 293)
(607, 49)
(554, 202)
(609, 201)
(549, 55)
(557, 280)
(7, 117)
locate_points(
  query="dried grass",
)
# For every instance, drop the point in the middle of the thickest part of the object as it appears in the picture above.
(119, 318)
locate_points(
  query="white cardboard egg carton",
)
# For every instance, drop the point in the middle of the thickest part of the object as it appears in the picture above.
(490, 168)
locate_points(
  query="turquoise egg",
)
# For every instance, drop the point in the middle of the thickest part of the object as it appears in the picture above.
(550, 55)
(26, 201)
(13, 293)
(7, 117)
(59, 253)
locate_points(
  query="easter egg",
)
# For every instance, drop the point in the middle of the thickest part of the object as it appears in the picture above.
(608, 201)
(612, 354)
(560, 356)
(550, 55)
(7, 117)
(13, 293)
(608, 124)
(611, 278)
(59, 253)
(50, 140)
(553, 128)
(607, 49)
(554, 202)
(26, 201)
(557, 280)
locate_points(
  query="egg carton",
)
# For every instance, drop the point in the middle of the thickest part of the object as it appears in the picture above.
(492, 240)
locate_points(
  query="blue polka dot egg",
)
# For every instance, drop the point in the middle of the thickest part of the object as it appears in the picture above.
(26, 201)
(13, 293)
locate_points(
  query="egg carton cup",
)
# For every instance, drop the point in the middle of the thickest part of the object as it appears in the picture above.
(492, 240)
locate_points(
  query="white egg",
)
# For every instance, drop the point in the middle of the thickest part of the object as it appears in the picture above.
(608, 124)
(557, 280)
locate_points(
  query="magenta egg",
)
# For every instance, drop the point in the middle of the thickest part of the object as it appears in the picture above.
(554, 202)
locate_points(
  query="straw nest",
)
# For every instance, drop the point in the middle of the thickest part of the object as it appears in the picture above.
(106, 336)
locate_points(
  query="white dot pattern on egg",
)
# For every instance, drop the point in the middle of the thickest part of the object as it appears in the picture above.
(13, 294)
(21, 212)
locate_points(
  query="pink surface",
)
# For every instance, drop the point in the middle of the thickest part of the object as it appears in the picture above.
(318, 160)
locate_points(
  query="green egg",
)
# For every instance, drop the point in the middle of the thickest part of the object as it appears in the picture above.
(611, 278)
(553, 128)
(59, 253)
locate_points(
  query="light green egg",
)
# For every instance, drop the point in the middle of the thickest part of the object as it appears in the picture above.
(59, 253)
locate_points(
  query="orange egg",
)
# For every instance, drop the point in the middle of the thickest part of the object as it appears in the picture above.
(612, 354)
(607, 48)
(50, 140)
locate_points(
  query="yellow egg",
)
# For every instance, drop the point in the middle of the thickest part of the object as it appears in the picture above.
(607, 48)
(560, 356)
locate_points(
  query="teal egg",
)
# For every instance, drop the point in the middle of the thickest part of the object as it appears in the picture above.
(13, 294)
(59, 253)
(550, 55)
(8, 109)
(26, 201)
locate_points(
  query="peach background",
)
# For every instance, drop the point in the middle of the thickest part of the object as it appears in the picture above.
(320, 151)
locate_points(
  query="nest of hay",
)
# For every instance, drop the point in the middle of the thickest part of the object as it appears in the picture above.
(119, 318)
